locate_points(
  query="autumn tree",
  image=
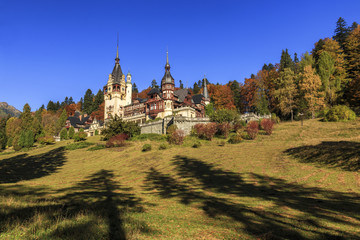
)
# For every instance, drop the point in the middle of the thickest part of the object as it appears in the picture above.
(286, 92)
(49, 124)
(13, 129)
(221, 96)
(330, 84)
(143, 93)
(310, 87)
(306, 60)
(99, 114)
(70, 109)
(98, 100)
(352, 46)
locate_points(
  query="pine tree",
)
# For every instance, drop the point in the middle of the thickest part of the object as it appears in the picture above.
(134, 88)
(26, 118)
(181, 84)
(236, 92)
(196, 88)
(316, 51)
(154, 84)
(88, 102)
(63, 134)
(310, 87)
(61, 121)
(354, 25)
(98, 100)
(71, 101)
(51, 106)
(306, 60)
(286, 61)
(341, 32)
(286, 92)
(71, 132)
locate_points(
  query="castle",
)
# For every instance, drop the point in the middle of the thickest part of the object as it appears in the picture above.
(160, 103)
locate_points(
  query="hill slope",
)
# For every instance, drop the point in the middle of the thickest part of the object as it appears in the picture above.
(299, 183)
(6, 109)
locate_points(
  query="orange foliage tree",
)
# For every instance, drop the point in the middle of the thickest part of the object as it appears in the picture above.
(70, 109)
(143, 93)
(221, 96)
(99, 114)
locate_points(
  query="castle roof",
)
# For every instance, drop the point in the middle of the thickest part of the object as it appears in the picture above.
(181, 94)
(117, 72)
(167, 78)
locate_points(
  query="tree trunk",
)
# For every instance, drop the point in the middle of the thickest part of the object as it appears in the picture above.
(292, 115)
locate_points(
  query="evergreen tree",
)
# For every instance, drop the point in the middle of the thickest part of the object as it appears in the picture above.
(286, 61)
(196, 88)
(286, 92)
(319, 45)
(306, 60)
(71, 101)
(88, 102)
(71, 132)
(42, 107)
(181, 84)
(63, 134)
(341, 32)
(236, 91)
(154, 84)
(61, 121)
(98, 100)
(26, 118)
(66, 101)
(51, 106)
(200, 84)
(3, 139)
(354, 25)
(57, 105)
(134, 88)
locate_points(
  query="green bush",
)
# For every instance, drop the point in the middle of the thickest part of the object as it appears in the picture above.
(340, 113)
(79, 136)
(97, 147)
(117, 126)
(71, 132)
(275, 118)
(146, 147)
(235, 138)
(78, 145)
(171, 129)
(197, 144)
(81, 130)
(163, 146)
(63, 134)
(149, 136)
(224, 115)
(96, 132)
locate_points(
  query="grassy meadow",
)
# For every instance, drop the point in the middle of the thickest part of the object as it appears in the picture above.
(299, 183)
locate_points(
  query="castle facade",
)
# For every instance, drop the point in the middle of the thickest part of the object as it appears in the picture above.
(160, 102)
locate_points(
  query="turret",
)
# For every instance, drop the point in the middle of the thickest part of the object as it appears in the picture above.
(128, 89)
(205, 91)
(167, 88)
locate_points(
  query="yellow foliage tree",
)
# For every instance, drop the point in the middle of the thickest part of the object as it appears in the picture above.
(352, 46)
(310, 87)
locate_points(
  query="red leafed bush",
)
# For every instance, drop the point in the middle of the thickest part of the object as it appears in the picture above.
(223, 129)
(206, 131)
(267, 125)
(117, 141)
(252, 129)
(177, 137)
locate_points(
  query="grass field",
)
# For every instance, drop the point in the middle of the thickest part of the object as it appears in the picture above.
(299, 183)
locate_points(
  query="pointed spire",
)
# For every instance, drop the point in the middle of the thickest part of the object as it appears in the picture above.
(167, 66)
(205, 90)
(117, 49)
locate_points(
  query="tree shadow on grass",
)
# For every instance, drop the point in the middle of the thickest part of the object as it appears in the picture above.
(342, 154)
(25, 167)
(79, 211)
(195, 179)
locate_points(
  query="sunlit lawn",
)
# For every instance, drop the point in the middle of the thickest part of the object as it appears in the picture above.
(299, 183)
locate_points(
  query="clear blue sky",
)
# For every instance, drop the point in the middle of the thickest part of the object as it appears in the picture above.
(53, 49)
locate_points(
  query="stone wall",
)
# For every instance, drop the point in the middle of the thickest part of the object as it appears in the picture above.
(183, 123)
(247, 117)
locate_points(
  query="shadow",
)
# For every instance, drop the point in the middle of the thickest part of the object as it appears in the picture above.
(25, 167)
(343, 154)
(78, 212)
(217, 193)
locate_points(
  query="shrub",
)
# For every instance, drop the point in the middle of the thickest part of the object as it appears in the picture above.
(163, 146)
(252, 129)
(221, 143)
(149, 136)
(117, 126)
(235, 138)
(81, 130)
(97, 147)
(146, 147)
(224, 115)
(96, 132)
(78, 145)
(223, 129)
(239, 125)
(206, 131)
(267, 125)
(275, 118)
(63, 134)
(46, 140)
(340, 113)
(71, 132)
(117, 141)
(177, 137)
(171, 129)
(79, 136)
(197, 144)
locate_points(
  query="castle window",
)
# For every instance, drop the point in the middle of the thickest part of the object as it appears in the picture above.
(109, 89)
(155, 106)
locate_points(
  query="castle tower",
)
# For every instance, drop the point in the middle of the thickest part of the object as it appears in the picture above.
(115, 91)
(205, 91)
(167, 88)
(128, 89)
